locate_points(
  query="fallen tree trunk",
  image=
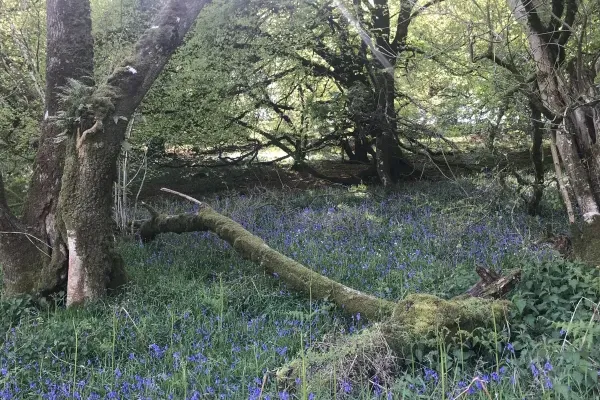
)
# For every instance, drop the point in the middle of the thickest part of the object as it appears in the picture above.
(419, 318)
(252, 248)
(300, 278)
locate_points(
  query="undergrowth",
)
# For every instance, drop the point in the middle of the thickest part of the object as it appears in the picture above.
(199, 322)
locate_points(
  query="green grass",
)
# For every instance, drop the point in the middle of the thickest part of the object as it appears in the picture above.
(199, 322)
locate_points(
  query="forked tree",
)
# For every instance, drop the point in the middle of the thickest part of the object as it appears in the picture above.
(65, 235)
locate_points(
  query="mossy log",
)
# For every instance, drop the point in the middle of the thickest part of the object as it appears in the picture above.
(296, 276)
(418, 318)
(302, 279)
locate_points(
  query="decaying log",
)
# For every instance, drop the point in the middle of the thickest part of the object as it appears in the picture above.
(493, 285)
(418, 318)
(295, 275)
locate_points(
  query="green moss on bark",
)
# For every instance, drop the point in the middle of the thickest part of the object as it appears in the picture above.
(420, 317)
(252, 248)
(586, 242)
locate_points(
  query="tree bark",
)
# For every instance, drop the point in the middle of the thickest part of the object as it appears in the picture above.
(91, 162)
(568, 92)
(390, 164)
(560, 180)
(386, 140)
(537, 159)
(22, 254)
(70, 207)
(69, 56)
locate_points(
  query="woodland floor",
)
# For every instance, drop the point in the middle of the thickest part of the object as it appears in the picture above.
(198, 322)
(182, 174)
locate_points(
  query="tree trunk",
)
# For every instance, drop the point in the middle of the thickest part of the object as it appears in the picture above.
(387, 150)
(70, 207)
(537, 159)
(391, 166)
(22, 255)
(85, 202)
(569, 93)
(91, 166)
(361, 150)
(69, 56)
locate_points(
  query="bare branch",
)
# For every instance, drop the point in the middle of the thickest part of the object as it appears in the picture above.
(185, 196)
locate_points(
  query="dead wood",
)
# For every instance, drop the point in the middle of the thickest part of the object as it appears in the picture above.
(297, 276)
(418, 318)
(493, 285)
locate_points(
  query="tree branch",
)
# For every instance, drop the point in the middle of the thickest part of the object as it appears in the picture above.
(3, 202)
(499, 61)
(250, 247)
(558, 6)
(533, 19)
(268, 135)
(567, 31)
(134, 77)
(424, 7)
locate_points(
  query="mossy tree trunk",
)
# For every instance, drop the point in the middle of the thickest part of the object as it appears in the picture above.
(91, 162)
(417, 318)
(68, 212)
(307, 281)
(36, 259)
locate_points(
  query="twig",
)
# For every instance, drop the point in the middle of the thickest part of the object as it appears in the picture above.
(185, 196)
(137, 196)
(262, 387)
(29, 237)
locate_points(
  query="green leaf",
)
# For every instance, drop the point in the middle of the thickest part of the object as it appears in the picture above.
(520, 304)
